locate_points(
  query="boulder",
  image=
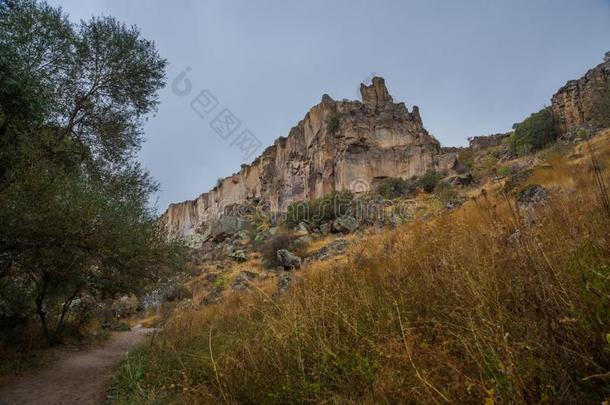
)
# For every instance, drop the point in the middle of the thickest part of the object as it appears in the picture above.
(226, 226)
(334, 248)
(288, 260)
(238, 255)
(325, 228)
(345, 224)
(301, 230)
(533, 194)
(178, 293)
(242, 281)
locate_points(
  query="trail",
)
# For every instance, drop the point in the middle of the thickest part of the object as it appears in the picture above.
(76, 377)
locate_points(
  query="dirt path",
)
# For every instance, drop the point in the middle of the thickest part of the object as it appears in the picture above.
(76, 377)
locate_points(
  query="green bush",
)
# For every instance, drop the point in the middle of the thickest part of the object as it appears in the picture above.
(333, 123)
(320, 210)
(534, 133)
(429, 181)
(445, 192)
(394, 187)
(466, 157)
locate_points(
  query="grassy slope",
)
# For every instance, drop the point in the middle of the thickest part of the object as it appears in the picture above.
(469, 306)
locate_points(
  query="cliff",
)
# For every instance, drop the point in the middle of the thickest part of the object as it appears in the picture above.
(339, 145)
(572, 104)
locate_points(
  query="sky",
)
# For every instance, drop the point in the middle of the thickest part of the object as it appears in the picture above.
(473, 67)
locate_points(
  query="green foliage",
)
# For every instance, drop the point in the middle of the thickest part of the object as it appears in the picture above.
(503, 171)
(466, 157)
(395, 187)
(601, 105)
(74, 215)
(445, 192)
(333, 123)
(429, 181)
(534, 133)
(320, 210)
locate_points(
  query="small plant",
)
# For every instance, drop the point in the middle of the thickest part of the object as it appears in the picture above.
(534, 133)
(394, 187)
(429, 181)
(268, 249)
(333, 123)
(466, 157)
(261, 220)
(503, 171)
(445, 192)
(320, 210)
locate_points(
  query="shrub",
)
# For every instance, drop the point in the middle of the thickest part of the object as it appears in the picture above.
(320, 210)
(333, 123)
(445, 192)
(268, 248)
(534, 133)
(466, 157)
(394, 187)
(429, 181)
(503, 171)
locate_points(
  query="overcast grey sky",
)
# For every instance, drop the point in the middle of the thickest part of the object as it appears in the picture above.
(473, 67)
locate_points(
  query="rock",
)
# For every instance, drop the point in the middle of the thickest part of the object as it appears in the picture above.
(226, 226)
(211, 277)
(238, 255)
(242, 237)
(376, 95)
(334, 248)
(325, 229)
(241, 282)
(480, 143)
(283, 282)
(301, 230)
(532, 195)
(288, 260)
(572, 103)
(345, 224)
(178, 293)
(461, 180)
(304, 240)
(379, 138)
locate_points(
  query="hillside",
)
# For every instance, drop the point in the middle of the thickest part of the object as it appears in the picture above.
(483, 283)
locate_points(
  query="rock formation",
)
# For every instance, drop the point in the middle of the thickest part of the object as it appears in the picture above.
(339, 145)
(572, 104)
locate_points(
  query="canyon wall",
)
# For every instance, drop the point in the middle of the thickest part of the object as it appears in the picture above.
(339, 145)
(572, 104)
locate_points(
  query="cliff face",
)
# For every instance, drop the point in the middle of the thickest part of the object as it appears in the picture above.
(573, 102)
(339, 145)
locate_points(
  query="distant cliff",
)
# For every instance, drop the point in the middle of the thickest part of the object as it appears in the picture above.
(339, 145)
(572, 104)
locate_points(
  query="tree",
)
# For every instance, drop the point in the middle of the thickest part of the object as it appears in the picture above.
(534, 133)
(74, 219)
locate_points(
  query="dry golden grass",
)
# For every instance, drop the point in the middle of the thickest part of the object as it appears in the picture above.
(470, 306)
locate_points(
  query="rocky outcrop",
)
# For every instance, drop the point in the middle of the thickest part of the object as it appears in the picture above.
(572, 104)
(479, 143)
(339, 145)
